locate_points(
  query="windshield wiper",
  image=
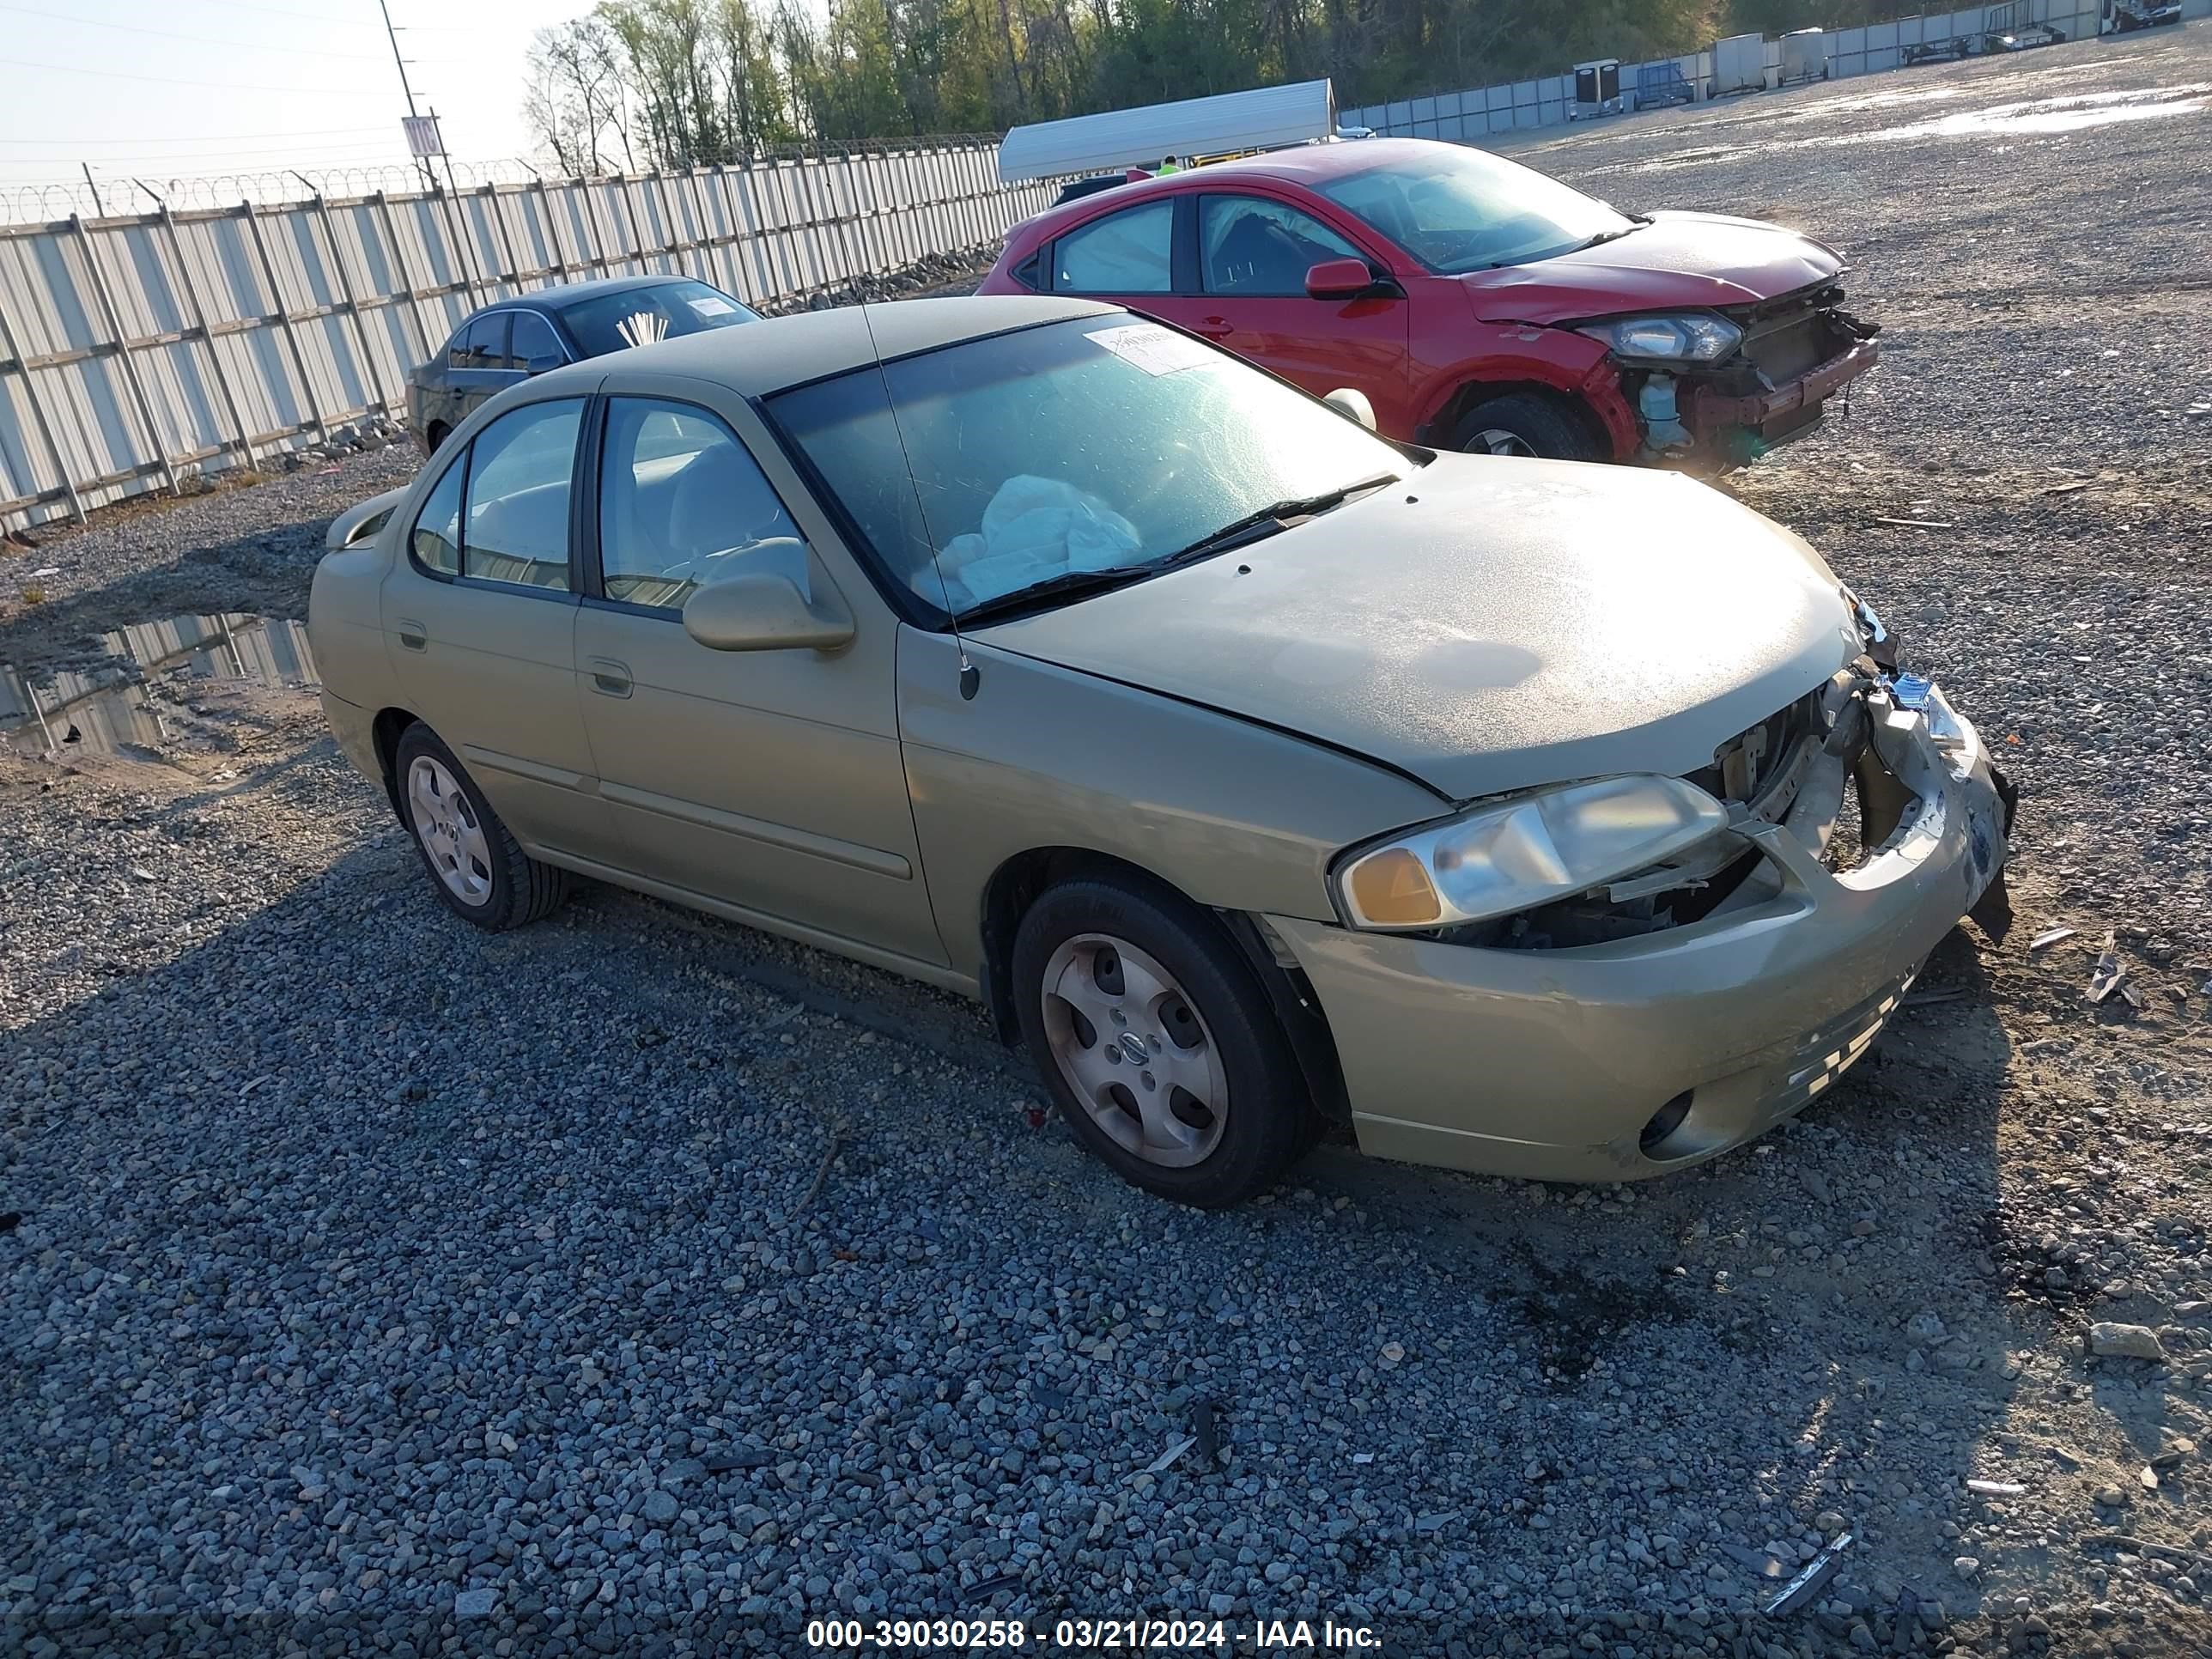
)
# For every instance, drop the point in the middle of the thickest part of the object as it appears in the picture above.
(1266, 521)
(1068, 584)
(1604, 236)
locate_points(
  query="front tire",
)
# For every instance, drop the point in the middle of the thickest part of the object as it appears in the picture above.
(1158, 1043)
(1519, 423)
(474, 861)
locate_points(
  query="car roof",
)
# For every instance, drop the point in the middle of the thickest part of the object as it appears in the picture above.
(567, 294)
(1309, 165)
(780, 352)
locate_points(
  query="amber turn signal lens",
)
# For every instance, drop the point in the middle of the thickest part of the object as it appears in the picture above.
(1391, 890)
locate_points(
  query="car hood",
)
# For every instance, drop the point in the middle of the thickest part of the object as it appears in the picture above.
(1703, 260)
(1489, 625)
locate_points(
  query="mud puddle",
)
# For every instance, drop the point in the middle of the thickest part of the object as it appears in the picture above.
(141, 699)
(2026, 119)
(2045, 116)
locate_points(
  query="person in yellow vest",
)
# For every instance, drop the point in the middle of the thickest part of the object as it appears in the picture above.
(1167, 165)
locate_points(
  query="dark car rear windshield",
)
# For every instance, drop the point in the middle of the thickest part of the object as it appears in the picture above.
(639, 316)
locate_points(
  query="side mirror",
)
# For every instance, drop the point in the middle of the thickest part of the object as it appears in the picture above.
(762, 610)
(1352, 405)
(1339, 279)
(539, 365)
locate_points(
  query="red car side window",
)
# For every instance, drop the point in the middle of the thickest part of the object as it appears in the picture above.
(1131, 251)
(1248, 245)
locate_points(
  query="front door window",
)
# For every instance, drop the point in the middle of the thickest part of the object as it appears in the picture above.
(1251, 246)
(517, 525)
(683, 503)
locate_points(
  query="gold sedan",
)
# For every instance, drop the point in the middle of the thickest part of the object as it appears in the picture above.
(1255, 772)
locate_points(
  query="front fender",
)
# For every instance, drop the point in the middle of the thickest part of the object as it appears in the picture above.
(1233, 815)
(360, 522)
(1505, 354)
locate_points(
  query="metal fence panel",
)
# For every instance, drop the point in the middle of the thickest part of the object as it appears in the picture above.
(136, 351)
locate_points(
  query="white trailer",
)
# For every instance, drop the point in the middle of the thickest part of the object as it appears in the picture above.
(1804, 56)
(1266, 118)
(1739, 65)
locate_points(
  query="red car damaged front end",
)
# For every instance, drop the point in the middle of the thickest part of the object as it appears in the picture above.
(1721, 337)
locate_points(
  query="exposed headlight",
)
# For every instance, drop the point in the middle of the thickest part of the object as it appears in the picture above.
(1694, 339)
(1516, 855)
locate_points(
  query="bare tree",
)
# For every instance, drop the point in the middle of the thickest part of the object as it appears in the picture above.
(574, 102)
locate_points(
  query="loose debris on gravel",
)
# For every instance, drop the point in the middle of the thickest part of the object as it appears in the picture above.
(375, 1285)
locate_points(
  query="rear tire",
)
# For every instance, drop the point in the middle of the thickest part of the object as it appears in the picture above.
(1156, 1042)
(437, 434)
(473, 861)
(1522, 424)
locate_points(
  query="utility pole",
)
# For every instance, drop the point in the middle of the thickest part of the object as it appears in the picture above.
(445, 156)
(429, 178)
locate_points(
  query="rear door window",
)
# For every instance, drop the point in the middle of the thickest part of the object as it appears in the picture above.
(520, 467)
(1131, 251)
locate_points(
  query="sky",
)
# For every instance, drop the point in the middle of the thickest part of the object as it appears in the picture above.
(173, 89)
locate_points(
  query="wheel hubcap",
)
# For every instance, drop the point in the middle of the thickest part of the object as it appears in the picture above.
(447, 825)
(1496, 441)
(1134, 1051)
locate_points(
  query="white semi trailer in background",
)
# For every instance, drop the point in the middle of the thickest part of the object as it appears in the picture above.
(1227, 124)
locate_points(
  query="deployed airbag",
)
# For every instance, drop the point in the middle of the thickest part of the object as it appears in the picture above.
(1034, 528)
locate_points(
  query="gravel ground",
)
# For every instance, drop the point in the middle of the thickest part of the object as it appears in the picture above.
(633, 1282)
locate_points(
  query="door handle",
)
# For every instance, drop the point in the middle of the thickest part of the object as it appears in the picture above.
(412, 634)
(610, 678)
(1215, 328)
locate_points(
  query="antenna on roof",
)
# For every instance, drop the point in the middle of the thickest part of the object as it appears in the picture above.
(970, 678)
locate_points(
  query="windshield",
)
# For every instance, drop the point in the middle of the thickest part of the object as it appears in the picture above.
(639, 316)
(1102, 443)
(1458, 209)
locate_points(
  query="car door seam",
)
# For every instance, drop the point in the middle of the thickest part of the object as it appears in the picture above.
(536, 771)
(875, 860)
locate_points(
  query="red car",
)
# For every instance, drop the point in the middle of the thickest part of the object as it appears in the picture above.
(1477, 303)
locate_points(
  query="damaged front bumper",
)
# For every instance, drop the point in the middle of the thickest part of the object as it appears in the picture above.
(1627, 1059)
(1774, 416)
(1797, 353)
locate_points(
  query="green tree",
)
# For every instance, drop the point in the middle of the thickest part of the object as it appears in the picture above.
(679, 82)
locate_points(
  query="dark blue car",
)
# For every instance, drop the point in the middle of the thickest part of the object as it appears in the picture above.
(532, 333)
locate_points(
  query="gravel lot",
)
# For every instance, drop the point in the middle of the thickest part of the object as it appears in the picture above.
(630, 1283)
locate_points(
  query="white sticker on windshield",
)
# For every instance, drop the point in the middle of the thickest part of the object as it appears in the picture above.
(1155, 349)
(711, 304)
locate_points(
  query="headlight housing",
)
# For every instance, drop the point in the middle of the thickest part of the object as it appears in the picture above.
(1691, 337)
(1513, 855)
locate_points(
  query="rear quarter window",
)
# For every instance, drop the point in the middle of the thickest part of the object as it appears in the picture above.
(1131, 251)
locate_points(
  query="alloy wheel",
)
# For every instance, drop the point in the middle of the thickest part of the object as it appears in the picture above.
(1496, 441)
(1134, 1050)
(450, 834)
